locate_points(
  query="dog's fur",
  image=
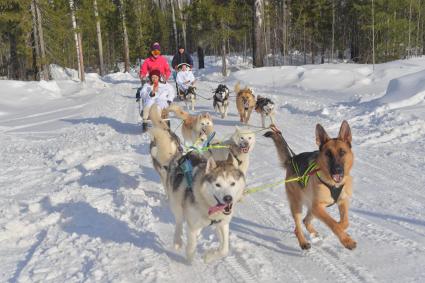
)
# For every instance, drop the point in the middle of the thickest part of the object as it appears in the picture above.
(189, 96)
(195, 128)
(165, 140)
(265, 107)
(335, 160)
(245, 102)
(221, 100)
(240, 144)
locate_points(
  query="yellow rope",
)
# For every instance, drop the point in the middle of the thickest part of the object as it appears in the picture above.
(271, 185)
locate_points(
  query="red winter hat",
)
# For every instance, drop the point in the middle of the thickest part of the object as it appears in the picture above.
(154, 73)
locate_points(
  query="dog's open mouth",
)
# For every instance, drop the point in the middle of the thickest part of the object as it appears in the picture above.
(244, 148)
(225, 208)
(337, 178)
(220, 207)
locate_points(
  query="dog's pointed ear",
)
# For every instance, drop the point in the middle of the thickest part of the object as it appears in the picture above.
(321, 135)
(211, 165)
(232, 161)
(345, 132)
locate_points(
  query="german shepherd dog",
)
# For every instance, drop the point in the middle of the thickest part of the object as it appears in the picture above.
(221, 100)
(195, 129)
(265, 107)
(245, 102)
(331, 183)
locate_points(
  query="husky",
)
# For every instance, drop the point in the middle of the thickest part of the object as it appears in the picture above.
(164, 143)
(195, 129)
(240, 145)
(245, 102)
(265, 107)
(330, 184)
(210, 199)
(221, 100)
(189, 95)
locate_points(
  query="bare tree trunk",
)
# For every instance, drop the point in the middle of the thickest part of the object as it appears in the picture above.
(418, 28)
(99, 38)
(333, 30)
(180, 6)
(36, 41)
(125, 38)
(258, 52)
(173, 14)
(44, 65)
(410, 20)
(373, 35)
(77, 39)
(223, 58)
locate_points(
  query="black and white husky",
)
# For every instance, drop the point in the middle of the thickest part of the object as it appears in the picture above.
(265, 107)
(221, 100)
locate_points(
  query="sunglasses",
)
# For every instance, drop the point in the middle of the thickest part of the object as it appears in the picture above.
(156, 52)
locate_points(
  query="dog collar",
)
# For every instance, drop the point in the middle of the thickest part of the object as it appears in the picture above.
(215, 222)
(335, 191)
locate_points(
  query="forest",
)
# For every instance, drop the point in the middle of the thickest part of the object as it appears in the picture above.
(98, 35)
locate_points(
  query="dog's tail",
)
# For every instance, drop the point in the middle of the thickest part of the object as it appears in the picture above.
(155, 116)
(237, 87)
(282, 148)
(178, 111)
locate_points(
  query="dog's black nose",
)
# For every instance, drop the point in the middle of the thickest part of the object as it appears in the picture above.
(338, 169)
(227, 198)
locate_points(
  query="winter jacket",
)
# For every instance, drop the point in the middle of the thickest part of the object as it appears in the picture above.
(181, 58)
(164, 93)
(152, 63)
(183, 77)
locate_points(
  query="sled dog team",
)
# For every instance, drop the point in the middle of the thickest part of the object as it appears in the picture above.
(205, 182)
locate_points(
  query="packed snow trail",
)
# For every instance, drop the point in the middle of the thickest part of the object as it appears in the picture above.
(81, 202)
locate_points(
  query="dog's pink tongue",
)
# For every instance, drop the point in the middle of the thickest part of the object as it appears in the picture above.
(245, 149)
(337, 178)
(217, 208)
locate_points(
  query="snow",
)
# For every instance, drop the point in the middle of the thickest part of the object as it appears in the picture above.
(80, 201)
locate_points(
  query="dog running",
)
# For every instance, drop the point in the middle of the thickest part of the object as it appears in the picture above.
(329, 183)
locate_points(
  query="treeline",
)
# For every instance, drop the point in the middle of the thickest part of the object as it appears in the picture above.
(97, 35)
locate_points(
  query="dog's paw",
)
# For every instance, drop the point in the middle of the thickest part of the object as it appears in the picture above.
(305, 246)
(349, 243)
(212, 255)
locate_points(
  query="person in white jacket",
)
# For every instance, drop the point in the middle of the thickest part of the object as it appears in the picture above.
(155, 92)
(185, 78)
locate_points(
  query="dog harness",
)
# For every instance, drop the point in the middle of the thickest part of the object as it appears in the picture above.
(335, 191)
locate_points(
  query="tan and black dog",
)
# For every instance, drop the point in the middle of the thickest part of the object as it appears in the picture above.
(195, 128)
(328, 184)
(245, 102)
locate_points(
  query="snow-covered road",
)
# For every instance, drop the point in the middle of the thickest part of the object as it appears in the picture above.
(80, 201)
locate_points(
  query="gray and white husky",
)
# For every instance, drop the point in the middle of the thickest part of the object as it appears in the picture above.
(210, 200)
(240, 145)
(211, 197)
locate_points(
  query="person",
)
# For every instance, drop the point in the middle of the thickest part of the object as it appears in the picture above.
(185, 77)
(181, 57)
(155, 62)
(155, 92)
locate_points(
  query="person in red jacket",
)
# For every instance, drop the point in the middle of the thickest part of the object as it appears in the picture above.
(155, 62)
